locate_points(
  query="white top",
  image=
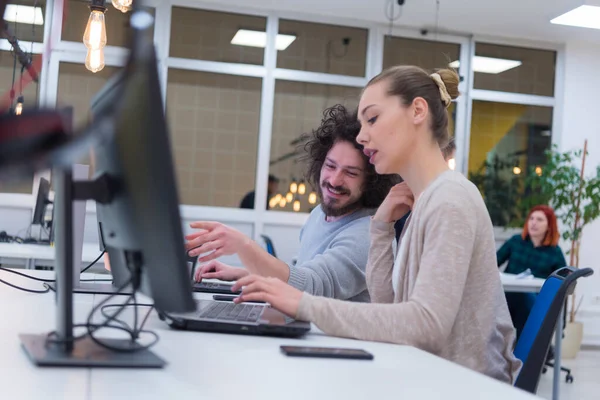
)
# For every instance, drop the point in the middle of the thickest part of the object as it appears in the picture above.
(204, 365)
(401, 253)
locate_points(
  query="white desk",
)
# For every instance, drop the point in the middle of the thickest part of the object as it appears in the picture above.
(511, 283)
(32, 253)
(219, 366)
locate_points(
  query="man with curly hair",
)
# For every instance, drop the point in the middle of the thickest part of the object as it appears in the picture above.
(334, 241)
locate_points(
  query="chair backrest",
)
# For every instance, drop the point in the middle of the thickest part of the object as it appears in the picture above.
(537, 333)
(269, 244)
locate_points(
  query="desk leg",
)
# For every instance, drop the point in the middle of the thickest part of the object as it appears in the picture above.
(557, 356)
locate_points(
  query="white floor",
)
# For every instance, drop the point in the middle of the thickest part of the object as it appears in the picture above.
(586, 378)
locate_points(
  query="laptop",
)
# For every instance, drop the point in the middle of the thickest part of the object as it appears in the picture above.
(244, 318)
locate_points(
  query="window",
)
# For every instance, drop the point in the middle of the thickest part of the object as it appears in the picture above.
(207, 35)
(514, 69)
(76, 17)
(323, 48)
(214, 121)
(298, 109)
(507, 142)
(426, 54)
(8, 75)
(31, 31)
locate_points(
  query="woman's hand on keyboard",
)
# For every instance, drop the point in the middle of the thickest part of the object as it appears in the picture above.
(279, 294)
(217, 270)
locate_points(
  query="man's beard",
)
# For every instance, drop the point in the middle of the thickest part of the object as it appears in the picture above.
(332, 209)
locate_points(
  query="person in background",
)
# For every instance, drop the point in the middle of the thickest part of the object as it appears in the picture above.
(248, 200)
(536, 249)
(333, 250)
(442, 293)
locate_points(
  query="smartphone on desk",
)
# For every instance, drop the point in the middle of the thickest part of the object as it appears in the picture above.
(326, 352)
(228, 297)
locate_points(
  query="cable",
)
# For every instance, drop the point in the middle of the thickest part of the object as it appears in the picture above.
(48, 288)
(25, 289)
(104, 313)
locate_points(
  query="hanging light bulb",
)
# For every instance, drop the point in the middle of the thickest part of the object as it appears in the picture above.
(273, 202)
(538, 170)
(293, 187)
(94, 61)
(517, 170)
(297, 205)
(19, 106)
(312, 198)
(122, 5)
(289, 197)
(452, 164)
(282, 203)
(94, 36)
(301, 188)
(277, 198)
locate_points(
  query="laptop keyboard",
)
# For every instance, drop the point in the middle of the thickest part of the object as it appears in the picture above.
(232, 312)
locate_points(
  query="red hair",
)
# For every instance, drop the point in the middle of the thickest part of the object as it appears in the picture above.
(552, 235)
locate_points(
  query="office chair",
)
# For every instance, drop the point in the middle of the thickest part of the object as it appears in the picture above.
(537, 334)
(549, 363)
(269, 244)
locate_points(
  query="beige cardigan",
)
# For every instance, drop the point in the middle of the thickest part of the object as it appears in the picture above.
(450, 300)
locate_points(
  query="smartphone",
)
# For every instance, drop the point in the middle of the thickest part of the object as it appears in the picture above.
(227, 297)
(326, 352)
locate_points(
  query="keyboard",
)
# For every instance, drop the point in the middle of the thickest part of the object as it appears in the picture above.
(232, 312)
(213, 287)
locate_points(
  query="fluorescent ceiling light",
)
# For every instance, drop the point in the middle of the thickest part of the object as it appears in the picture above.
(245, 37)
(24, 14)
(489, 65)
(582, 16)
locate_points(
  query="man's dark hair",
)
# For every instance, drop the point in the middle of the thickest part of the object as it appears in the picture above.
(340, 125)
(273, 178)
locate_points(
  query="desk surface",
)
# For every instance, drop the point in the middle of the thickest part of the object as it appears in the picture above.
(220, 366)
(90, 251)
(511, 283)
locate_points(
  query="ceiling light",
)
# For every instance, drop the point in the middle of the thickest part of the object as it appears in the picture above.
(245, 37)
(582, 16)
(24, 14)
(489, 65)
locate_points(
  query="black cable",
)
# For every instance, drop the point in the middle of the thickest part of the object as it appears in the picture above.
(25, 289)
(49, 280)
(106, 315)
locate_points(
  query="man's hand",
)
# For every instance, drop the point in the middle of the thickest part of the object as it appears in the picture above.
(217, 270)
(280, 295)
(216, 237)
(396, 204)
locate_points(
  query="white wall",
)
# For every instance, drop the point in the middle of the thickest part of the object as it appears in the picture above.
(580, 122)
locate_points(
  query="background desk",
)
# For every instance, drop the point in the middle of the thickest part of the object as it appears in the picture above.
(220, 366)
(511, 283)
(37, 254)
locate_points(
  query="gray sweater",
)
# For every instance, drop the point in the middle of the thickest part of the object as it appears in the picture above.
(333, 256)
(450, 300)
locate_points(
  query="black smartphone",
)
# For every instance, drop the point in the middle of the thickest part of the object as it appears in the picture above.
(326, 352)
(227, 297)
(214, 287)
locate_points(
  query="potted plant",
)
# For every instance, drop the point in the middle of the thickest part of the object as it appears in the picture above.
(575, 197)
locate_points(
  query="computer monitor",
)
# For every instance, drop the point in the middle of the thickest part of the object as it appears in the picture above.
(136, 195)
(41, 202)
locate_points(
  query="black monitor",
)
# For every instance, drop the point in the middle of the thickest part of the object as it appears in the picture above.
(41, 202)
(136, 196)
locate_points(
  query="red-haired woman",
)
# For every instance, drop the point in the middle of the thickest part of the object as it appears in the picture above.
(535, 249)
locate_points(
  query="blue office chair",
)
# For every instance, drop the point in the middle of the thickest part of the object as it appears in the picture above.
(269, 244)
(536, 337)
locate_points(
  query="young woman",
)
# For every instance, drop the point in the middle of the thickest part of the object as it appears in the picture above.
(442, 293)
(535, 249)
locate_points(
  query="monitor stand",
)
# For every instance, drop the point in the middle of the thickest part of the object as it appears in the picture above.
(63, 350)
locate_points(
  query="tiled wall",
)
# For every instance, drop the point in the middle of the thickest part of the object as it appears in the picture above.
(534, 76)
(206, 35)
(214, 123)
(320, 48)
(299, 109)
(424, 53)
